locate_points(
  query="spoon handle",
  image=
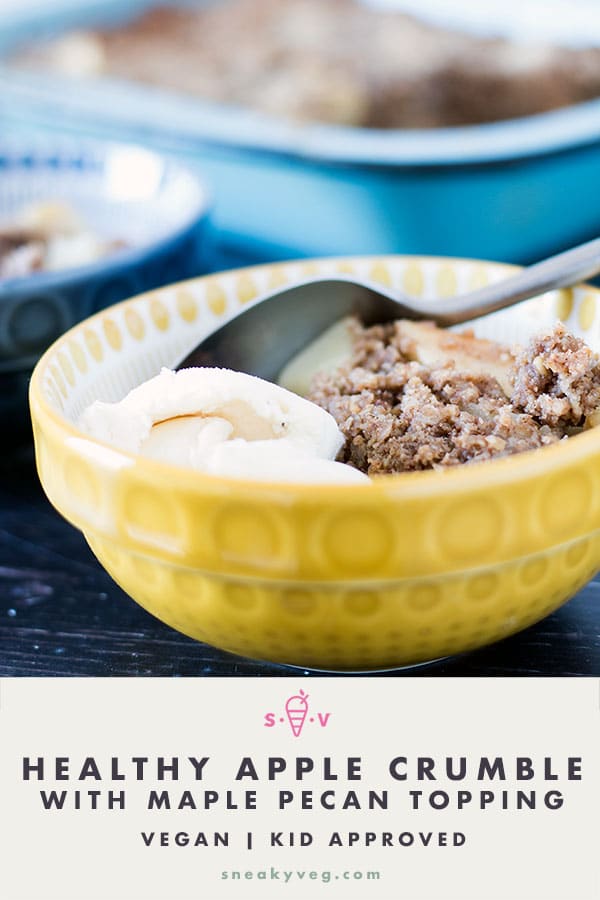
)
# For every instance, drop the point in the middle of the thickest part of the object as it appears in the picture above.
(564, 269)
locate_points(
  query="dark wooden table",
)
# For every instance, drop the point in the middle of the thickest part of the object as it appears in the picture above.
(61, 614)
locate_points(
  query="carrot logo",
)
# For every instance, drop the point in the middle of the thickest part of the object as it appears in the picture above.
(296, 715)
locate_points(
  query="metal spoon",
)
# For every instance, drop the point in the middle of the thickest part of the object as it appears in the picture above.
(267, 333)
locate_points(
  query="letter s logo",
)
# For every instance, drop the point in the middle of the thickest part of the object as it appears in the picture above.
(269, 720)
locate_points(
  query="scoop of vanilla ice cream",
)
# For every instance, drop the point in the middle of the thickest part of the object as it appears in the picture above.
(277, 460)
(186, 440)
(224, 423)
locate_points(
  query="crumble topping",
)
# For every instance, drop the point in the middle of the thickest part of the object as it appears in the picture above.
(557, 379)
(337, 61)
(413, 396)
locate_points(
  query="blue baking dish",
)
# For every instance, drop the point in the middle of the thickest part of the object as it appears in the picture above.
(513, 190)
(158, 208)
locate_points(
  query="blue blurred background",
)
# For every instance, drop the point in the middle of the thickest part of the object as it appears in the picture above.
(511, 191)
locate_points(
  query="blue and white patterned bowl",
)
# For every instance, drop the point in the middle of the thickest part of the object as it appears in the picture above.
(158, 207)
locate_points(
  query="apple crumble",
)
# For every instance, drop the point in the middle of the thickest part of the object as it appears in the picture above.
(334, 61)
(49, 237)
(413, 396)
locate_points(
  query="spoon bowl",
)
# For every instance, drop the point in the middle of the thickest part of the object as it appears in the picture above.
(267, 333)
(264, 336)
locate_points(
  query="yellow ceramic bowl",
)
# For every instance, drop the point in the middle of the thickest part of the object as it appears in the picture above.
(408, 569)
